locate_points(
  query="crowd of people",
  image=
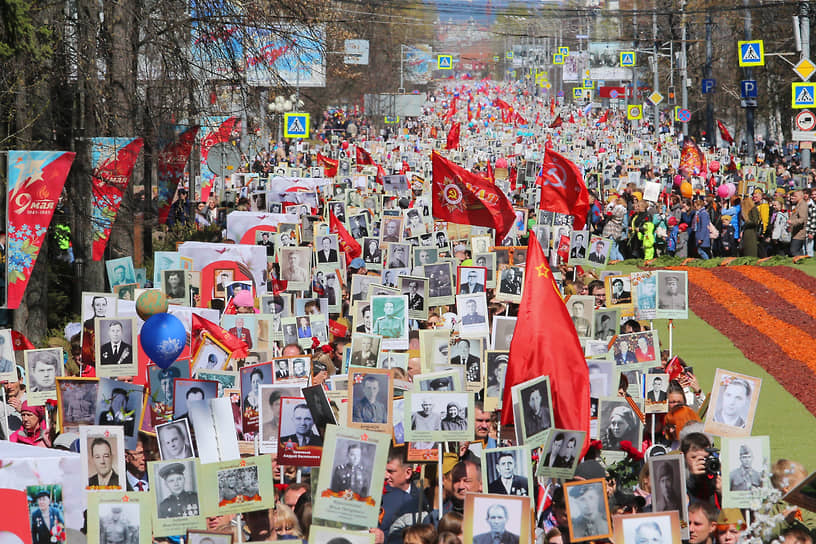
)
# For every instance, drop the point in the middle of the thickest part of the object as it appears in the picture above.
(424, 501)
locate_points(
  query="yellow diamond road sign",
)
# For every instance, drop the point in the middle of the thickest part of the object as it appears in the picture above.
(804, 69)
(655, 98)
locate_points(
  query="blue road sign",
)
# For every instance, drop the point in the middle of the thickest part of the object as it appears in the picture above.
(708, 85)
(748, 88)
(683, 115)
(296, 125)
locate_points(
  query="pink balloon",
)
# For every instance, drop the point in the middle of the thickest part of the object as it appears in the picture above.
(501, 162)
(732, 189)
(678, 179)
(714, 166)
(723, 190)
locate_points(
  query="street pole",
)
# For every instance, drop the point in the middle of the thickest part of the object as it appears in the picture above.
(683, 67)
(655, 76)
(749, 110)
(709, 101)
(804, 26)
(402, 73)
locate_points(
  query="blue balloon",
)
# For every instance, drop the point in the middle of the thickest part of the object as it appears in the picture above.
(163, 338)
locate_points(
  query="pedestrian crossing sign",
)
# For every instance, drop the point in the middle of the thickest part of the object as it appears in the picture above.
(578, 93)
(803, 95)
(627, 59)
(588, 84)
(444, 62)
(558, 58)
(634, 112)
(296, 125)
(391, 120)
(563, 50)
(751, 53)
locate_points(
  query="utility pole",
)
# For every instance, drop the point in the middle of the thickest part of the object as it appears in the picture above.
(749, 110)
(804, 26)
(709, 101)
(684, 66)
(655, 75)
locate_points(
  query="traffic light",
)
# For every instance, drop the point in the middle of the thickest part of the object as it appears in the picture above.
(672, 100)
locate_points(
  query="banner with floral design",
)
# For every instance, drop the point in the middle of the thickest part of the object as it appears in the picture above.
(217, 129)
(35, 182)
(172, 159)
(112, 160)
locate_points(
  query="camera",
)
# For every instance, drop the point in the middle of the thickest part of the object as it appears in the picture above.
(712, 462)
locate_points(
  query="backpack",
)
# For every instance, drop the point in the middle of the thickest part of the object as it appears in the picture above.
(713, 233)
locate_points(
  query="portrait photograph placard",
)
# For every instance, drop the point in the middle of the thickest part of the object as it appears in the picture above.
(587, 510)
(114, 346)
(397, 255)
(563, 448)
(511, 284)
(672, 294)
(496, 363)
(507, 471)
(618, 291)
(443, 380)
(208, 537)
(668, 480)
(598, 251)
(174, 489)
(440, 283)
(434, 348)
(504, 517)
(423, 256)
(601, 378)
(390, 320)
(370, 399)
(174, 285)
(235, 486)
(227, 379)
(637, 350)
(365, 349)
(532, 406)
(113, 515)
(175, 440)
(605, 324)
(466, 354)
(733, 404)
(580, 309)
(8, 364)
(251, 378)
(656, 399)
(211, 354)
(472, 311)
(269, 398)
(187, 390)
(579, 240)
(120, 271)
(299, 443)
(349, 486)
(502, 334)
(617, 422)
(102, 457)
(295, 267)
(120, 403)
(661, 527)
(416, 289)
(488, 262)
(162, 388)
(332, 535)
(42, 366)
(76, 402)
(746, 466)
(438, 416)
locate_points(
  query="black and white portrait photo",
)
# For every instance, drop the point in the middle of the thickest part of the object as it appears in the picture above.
(370, 397)
(578, 245)
(365, 349)
(535, 405)
(580, 309)
(359, 226)
(496, 369)
(119, 522)
(588, 510)
(444, 413)
(42, 368)
(398, 255)
(115, 339)
(338, 208)
(488, 262)
(238, 485)
(416, 289)
(657, 387)
(391, 229)
(371, 251)
(294, 264)
(598, 251)
(352, 468)
(667, 474)
(174, 440)
(471, 279)
(648, 528)
(507, 471)
(672, 291)
(439, 276)
(297, 425)
(562, 451)
(503, 328)
(605, 324)
(618, 290)
(423, 256)
(190, 390)
(746, 468)
(326, 249)
(472, 311)
(174, 284)
(733, 400)
(618, 422)
(511, 281)
(491, 519)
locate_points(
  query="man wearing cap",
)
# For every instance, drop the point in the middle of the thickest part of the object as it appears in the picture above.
(441, 384)
(730, 524)
(390, 324)
(114, 529)
(591, 516)
(365, 356)
(672, 298)
(507, 482)
(101, 455)
(44, 518)
(352, 475)
(745, 477)
(179, 503)
(31, 431)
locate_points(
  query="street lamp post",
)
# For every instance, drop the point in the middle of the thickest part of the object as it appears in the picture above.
(281, 105)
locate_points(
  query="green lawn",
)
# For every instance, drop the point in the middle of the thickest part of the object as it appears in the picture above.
(779, 414)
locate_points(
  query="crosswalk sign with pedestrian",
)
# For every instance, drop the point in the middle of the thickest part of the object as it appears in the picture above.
(296, 125)
(803, 95)
(444, 62)
(634, 112)
(627, 59)
(751, 53)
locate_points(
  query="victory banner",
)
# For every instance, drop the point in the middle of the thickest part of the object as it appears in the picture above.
(35, 181)
(113, 160)
(172, 160)
(217, 129)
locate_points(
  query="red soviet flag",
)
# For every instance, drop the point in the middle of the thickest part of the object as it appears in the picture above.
(547, 347)
(724, 134)
(563, 189)
(466, 198)
(235, 345)
(557, 122)
(329, 165)
(348, 244)
(363, 157)
(453, 136)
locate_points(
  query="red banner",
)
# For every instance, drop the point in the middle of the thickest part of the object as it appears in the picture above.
(35, 182)
(173, 159)
(113, 160)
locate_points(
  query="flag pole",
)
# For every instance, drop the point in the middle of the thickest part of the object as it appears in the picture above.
(439, 478)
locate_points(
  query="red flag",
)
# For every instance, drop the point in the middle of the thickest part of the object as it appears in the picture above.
(552, 106)
(571, 119)
(363, 157)
(548, 347)
(557, 122)
(20, 341)
(172, 162)
(329, 165)
(604, 117)
(724, 134)
(563, 189)
(453, 136)
(519, 119)
(466, 198)
(538, 116)
(451, 110)
(233, 344)
(490, 175)
(405, 168)
(503, 105)
(348, 244)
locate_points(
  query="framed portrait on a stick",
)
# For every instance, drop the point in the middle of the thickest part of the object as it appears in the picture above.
(733, 404)
(587, 510)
